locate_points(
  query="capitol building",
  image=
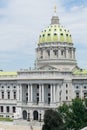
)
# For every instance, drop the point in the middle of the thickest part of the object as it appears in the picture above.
(56, 78)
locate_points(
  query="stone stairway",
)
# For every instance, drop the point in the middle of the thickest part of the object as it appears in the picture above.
(28, 123)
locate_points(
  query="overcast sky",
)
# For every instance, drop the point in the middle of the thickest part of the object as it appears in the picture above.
(21, 22)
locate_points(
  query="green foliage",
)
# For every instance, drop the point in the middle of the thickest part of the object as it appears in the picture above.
(74, 115)
(6, 119)
(52, 120)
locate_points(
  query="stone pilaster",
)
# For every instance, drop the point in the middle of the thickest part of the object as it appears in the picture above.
(31, 93)
(40, 87)
(54, 92)
(18, 92)
(43, 93)
(51, 92)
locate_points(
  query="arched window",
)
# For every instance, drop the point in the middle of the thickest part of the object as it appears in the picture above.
(7, 109)
(62, 52)
(1, 108)
(14, 109)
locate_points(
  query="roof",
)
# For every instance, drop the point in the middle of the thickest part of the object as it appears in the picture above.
(80, 72)
(3, 73)
(55, 33)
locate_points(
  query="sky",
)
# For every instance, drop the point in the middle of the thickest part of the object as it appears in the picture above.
(21, 22)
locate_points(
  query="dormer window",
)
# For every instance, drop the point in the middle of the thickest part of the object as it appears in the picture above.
(48, 34)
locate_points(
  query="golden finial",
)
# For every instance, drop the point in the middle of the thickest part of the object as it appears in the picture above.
(55, 8)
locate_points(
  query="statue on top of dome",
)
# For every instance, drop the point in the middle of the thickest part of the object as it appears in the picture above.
(55, 9)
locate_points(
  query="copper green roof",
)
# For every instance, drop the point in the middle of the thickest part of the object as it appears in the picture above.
(55, 33)
(3, 73)
(80, 72)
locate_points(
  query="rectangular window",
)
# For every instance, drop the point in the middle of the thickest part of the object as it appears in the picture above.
(66, 91)
(49, 100)
(49, 86)
(37, 86)
(14, 94)
(2, 95)
(66, 97)
(37, 94)
(37, 100)
(85, 95)
(77, 95)
(8, 95)
(48, 94)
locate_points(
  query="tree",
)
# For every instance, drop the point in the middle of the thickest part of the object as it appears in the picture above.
(74, 115)
(52, 120)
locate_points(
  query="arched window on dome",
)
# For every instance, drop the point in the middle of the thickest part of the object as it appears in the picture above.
(41, 55)
(62, 52)
(55, 53)
(48, 53)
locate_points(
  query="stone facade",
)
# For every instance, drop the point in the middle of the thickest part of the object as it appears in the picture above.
(56, 79)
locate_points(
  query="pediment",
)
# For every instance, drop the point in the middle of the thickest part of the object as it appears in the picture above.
(47, 67)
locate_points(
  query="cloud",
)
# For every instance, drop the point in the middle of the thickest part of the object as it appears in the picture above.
(21, 22)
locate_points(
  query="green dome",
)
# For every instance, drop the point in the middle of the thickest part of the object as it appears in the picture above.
(55, 33)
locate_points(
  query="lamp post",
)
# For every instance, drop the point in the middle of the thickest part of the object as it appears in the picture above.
(28, 119)
(40, 117)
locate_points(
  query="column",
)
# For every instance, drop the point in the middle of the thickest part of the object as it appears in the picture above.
(11, 92)
(72, 53)
(31, 93)
(59, 52)
(44, 54)
(5, 92)
(42, 92)
(38, 53)
(54, 92)
(51, 54)
(57, 93)
(67, 54)
(51, 91)
(28, 92)
(81, 94)
(18, 91)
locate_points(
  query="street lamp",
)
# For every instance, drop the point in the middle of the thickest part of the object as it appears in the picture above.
(28, 119)
(40, 117)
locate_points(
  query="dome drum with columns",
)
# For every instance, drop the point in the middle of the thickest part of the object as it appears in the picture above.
(55, 47)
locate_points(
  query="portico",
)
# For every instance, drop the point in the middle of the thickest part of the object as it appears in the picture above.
(38, 94)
